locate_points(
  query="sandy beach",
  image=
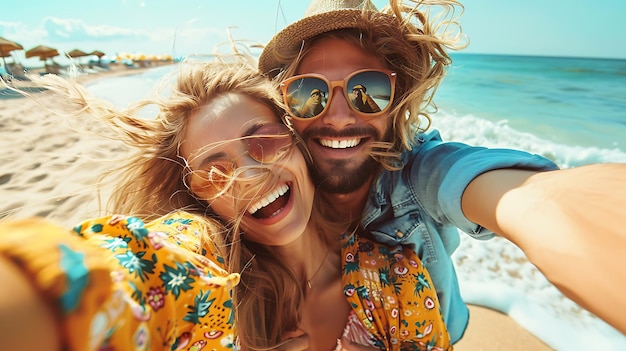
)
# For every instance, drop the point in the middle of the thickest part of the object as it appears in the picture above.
(49, 170)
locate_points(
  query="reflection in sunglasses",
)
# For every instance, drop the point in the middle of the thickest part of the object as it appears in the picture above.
(363, 102)
(314, 104)
(318, 93)
(368, 92)
(360, 88)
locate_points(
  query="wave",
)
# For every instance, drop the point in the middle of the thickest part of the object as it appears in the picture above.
(472, 130)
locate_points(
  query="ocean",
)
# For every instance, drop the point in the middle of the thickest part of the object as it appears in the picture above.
(571, 110)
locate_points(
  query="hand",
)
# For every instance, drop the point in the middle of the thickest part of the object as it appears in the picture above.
(23, 313)
(569, 223)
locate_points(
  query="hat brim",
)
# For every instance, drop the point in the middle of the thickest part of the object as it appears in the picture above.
(306, 28)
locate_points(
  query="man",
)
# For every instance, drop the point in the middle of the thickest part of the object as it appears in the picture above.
(379, 170)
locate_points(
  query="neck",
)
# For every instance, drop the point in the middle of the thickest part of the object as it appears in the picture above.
(345, 208)
(307, 255)
(324, 265)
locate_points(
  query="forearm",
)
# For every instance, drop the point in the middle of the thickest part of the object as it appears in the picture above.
(570, 225)
(26, 321)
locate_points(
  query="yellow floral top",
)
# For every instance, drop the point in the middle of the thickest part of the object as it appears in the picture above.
(135, 286)
(394, 302)
(122, 284)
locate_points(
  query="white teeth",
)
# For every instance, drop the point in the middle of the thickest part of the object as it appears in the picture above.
(343, 144)
(279, 191)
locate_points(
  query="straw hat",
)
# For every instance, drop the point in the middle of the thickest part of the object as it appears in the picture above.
(322, 16)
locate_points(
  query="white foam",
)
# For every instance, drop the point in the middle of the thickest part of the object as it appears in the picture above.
(473, 130)
(496, 274)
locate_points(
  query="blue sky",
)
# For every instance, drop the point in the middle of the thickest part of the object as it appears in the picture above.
(529, 27)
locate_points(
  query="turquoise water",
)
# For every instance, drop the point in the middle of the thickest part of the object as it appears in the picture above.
(575, 102)
(570, 110)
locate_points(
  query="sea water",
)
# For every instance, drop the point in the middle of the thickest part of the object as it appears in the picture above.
(571, 110)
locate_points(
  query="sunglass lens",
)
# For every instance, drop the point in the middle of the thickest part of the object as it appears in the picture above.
(306, 97)
(216, 176)
(269, 142)
(370, 91)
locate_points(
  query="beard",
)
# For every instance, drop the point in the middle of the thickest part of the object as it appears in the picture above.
(340, 178)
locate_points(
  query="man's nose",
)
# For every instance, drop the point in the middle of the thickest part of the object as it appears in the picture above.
(339, 114)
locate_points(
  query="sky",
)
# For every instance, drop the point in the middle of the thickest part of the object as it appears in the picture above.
(185, 27)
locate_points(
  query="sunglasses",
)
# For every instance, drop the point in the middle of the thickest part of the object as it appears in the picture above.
(266, 145)
(368, 91)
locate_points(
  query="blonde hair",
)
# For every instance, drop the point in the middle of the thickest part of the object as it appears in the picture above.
(151, 182)
(414, 44)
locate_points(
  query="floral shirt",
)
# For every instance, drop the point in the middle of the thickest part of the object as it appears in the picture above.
(394, 302)
(160, 286)
(154, 286)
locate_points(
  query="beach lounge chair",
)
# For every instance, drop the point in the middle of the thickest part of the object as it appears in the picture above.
(54, 68)
(17, 71)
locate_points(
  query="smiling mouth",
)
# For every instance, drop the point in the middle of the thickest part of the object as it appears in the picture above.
(272, 204)
(340, 144)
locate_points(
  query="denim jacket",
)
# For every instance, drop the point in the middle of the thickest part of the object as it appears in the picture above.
(421, 205)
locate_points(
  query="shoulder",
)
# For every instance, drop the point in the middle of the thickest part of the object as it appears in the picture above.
(181, 234)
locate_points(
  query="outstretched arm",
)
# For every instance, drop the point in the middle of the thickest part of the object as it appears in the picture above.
(26, 321)
(569, 223)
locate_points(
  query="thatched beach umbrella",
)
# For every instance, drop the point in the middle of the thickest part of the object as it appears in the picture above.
(6, 46)
(77, 53)
(97, 53)
(42, 51)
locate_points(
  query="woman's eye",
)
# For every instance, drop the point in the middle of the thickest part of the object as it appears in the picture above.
(218, 171)
(269, 142)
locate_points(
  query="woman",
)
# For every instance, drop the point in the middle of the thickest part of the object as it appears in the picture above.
(219, 151)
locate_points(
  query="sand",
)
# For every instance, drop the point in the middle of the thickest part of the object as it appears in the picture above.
(491, 330)
(48, 169)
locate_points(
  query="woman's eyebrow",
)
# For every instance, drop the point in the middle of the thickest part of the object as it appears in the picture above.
(212, 157)
(252, 129)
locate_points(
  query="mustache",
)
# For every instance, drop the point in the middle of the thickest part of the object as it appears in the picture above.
(356, 132)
